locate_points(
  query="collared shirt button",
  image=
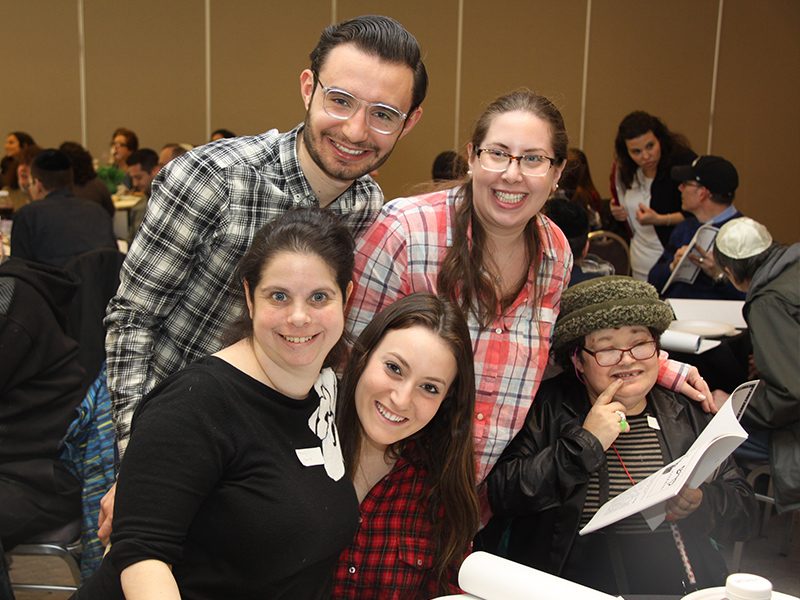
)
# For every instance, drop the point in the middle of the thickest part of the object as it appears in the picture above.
(351, 570)
(480, 416)
(419, 562)
(498, 331)
(360, 519)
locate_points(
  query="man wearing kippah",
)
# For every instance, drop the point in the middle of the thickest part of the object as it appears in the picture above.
(707, 187)
(769, 274)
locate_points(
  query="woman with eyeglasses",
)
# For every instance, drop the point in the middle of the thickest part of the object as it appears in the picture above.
(644, 193)
(124, 142)
(595, 430)
(485, 245)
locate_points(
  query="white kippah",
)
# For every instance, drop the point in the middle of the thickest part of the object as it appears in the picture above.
(743, 238)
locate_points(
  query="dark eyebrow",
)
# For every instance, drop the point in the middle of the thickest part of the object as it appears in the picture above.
(405, 365)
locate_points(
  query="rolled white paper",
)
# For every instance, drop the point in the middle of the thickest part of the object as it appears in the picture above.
(493, 578)
(680, 341)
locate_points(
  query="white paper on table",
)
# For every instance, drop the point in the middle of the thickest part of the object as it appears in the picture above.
(488, 577)
(715, 443)
(686, 270)
(723, 311)
(683, 341)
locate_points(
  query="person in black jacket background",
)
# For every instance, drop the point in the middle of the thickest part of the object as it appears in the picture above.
(40, 387)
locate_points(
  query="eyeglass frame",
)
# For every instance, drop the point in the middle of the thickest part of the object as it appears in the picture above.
(510, 158)
(622, 352)
(326, 90)
(119, 145)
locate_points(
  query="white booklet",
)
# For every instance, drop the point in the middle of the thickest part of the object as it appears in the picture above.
(686, 270)
(717, 441)
(485, 576)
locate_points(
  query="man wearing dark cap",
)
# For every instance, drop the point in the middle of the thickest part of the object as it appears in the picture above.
(59, 225)
(707, 187)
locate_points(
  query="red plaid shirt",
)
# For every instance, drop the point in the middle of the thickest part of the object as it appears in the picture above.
(392, 555)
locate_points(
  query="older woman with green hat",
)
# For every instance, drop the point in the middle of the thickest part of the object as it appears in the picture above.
(595, 430)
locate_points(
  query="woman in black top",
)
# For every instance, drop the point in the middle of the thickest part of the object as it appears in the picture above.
(233, 484)
(644, 193)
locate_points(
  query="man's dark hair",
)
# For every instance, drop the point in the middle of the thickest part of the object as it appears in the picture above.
(146, 158)
(53, 168)
(225, 133)
(378, 36)
(82, 162)
(722, 199)
(572, 219)
(177, 150)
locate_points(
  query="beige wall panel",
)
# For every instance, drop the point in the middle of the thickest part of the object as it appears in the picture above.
(536, 44)
(41, 92)
(435, 25)
(757, 124)
(258, 50)
(651, 56)
(145, 71)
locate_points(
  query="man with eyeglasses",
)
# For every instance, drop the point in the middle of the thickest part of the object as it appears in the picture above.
(362, 93)
(708, 188)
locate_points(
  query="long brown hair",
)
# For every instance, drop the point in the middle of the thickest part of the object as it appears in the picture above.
(445, 446)
(461, 276)
(637, 124)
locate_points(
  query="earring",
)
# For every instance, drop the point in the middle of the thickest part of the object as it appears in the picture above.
(469, 172)
(556, 186)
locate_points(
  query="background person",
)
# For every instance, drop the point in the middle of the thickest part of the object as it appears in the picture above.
(577, 185)
(222, 134)
(22, 196)
(769, 274)
(41, 384)
(233, 485)
(644, 193)
(449, 166)
(170, 152)
(708, 187)
(595, 430)
(405, 419)
(60, 225)
(86, 183)
(16, 141)
(573, 220)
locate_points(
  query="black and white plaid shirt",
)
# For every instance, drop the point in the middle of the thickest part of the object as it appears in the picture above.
(175, 296)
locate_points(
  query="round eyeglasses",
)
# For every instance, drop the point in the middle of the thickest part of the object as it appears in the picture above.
(532, 165)
(612, 356)
(342, 105)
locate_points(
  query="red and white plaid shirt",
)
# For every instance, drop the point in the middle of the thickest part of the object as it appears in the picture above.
(400, 254)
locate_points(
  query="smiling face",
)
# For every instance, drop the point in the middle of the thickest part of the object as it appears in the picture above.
(347, 149)
(645, 151)
(405, 381)
(508, 200)
(297, 310)
(142, 179)
(639, 375)
(12, 145)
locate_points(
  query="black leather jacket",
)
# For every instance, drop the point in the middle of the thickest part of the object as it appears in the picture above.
(543, 475)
